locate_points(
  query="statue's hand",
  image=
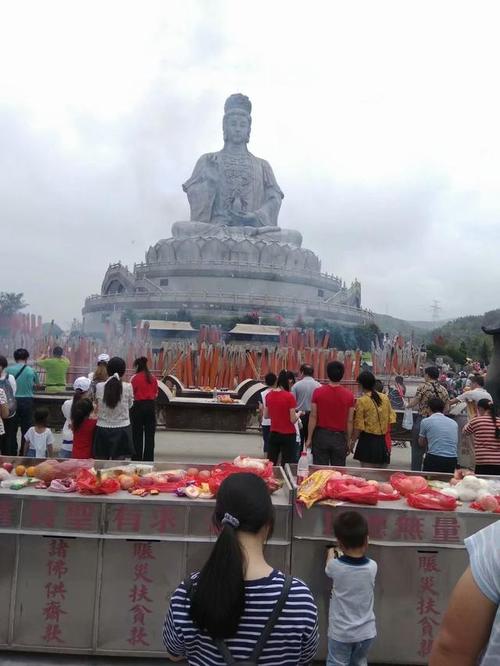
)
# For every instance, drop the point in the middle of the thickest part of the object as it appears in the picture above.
(243, 220)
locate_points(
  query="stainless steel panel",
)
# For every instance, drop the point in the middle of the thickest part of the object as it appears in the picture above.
(7, 570)
(55, 595)
(138, 578)
(149, 520)
(48, 513)
(411, 593)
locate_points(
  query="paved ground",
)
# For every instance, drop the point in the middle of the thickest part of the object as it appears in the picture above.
(202, 447)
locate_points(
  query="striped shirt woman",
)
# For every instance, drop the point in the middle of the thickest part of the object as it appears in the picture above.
(234, 595)
(294, 639)
(486, 444)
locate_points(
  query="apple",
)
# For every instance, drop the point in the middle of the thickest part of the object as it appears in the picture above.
(8, 466)
(204, 474)
(192, 471)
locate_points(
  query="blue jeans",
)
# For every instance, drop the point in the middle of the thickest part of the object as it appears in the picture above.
(64, 453)
(348, 654)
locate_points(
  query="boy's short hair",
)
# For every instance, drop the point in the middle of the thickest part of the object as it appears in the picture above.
(57, 352)
(21, 354)
(436, 405)
(432, 372)
(270, 379)
(351, 529)
(41, 415)
(478, 379)
(307, 370)
(335, 371)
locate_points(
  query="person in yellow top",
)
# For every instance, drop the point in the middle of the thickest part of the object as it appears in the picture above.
(372, 418)
(56, 368)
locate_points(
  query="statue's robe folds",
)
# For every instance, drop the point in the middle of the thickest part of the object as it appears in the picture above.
(222, 182)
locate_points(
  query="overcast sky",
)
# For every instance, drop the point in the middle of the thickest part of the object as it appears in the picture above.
(380, 120)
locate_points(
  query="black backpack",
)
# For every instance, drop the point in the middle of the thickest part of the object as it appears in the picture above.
(259, 646)
(9, 393)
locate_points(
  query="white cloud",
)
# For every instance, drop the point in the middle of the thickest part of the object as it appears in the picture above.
(380, 121)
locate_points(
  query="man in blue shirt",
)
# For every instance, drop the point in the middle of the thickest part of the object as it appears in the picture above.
(26, 381)
(439, 436)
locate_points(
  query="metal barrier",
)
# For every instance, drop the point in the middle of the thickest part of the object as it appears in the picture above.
(420, 557)
(94, 574)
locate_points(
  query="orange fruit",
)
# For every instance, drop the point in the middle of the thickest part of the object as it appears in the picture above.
(31, 471)
(20, 470)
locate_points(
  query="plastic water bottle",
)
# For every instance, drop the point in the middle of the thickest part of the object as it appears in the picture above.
(214, 395)
(302, 468)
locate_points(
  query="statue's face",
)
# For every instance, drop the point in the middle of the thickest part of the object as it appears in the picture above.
(236, 128)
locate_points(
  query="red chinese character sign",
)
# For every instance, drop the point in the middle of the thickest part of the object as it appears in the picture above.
(138, 577)
(56, 592)
(427, 602)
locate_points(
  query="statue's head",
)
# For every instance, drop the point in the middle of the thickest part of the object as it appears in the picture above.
(237, 120)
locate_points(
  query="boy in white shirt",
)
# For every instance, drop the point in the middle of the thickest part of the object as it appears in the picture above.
(39, 440)
(351, 621)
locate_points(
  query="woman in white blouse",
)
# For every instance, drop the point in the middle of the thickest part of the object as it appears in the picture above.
(113, 435)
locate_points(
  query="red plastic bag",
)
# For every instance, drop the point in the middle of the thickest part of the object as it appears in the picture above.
(477, 506)
(347, 492)
(88, 484)
(432, 500)
(407, 485)
(388, 497)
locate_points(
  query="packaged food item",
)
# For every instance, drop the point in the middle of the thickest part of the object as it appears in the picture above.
(431, 500)
(313, 489)
(407, 484)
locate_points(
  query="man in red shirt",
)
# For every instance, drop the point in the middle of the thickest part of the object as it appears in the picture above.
(331, 419)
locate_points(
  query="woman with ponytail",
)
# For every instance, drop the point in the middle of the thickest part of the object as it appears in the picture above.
(485, 430)
(225, 611)
(113, 435)
(81, 387)
(372, 417)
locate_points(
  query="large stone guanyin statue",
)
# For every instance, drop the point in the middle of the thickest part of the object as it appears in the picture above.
(232, 193)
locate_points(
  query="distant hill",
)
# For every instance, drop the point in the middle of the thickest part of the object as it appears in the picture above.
(419, 329)
(466, 333)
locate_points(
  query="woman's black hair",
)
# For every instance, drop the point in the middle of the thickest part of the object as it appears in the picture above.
(282, 381)
(141, 365)
(292, 378)
(77, 396)
(218, 599)
(113, 388)
(367, 381)
(488, 406)
(3, 362)
(80, 411)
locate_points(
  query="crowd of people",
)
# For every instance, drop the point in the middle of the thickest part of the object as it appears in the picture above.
(331, 423)
(106, 417)
(327, 419)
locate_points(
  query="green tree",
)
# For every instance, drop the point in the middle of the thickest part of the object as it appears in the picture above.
(10, 303)
(484, 353)
(129, 315)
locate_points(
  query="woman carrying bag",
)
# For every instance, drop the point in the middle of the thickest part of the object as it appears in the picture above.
(113, 435)
(238, 608)
(372, 417)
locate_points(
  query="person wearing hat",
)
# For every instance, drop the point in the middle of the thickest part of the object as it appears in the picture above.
(100, 374)
(81, 388)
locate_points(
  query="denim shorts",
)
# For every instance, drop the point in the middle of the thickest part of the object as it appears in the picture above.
(348, 654)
